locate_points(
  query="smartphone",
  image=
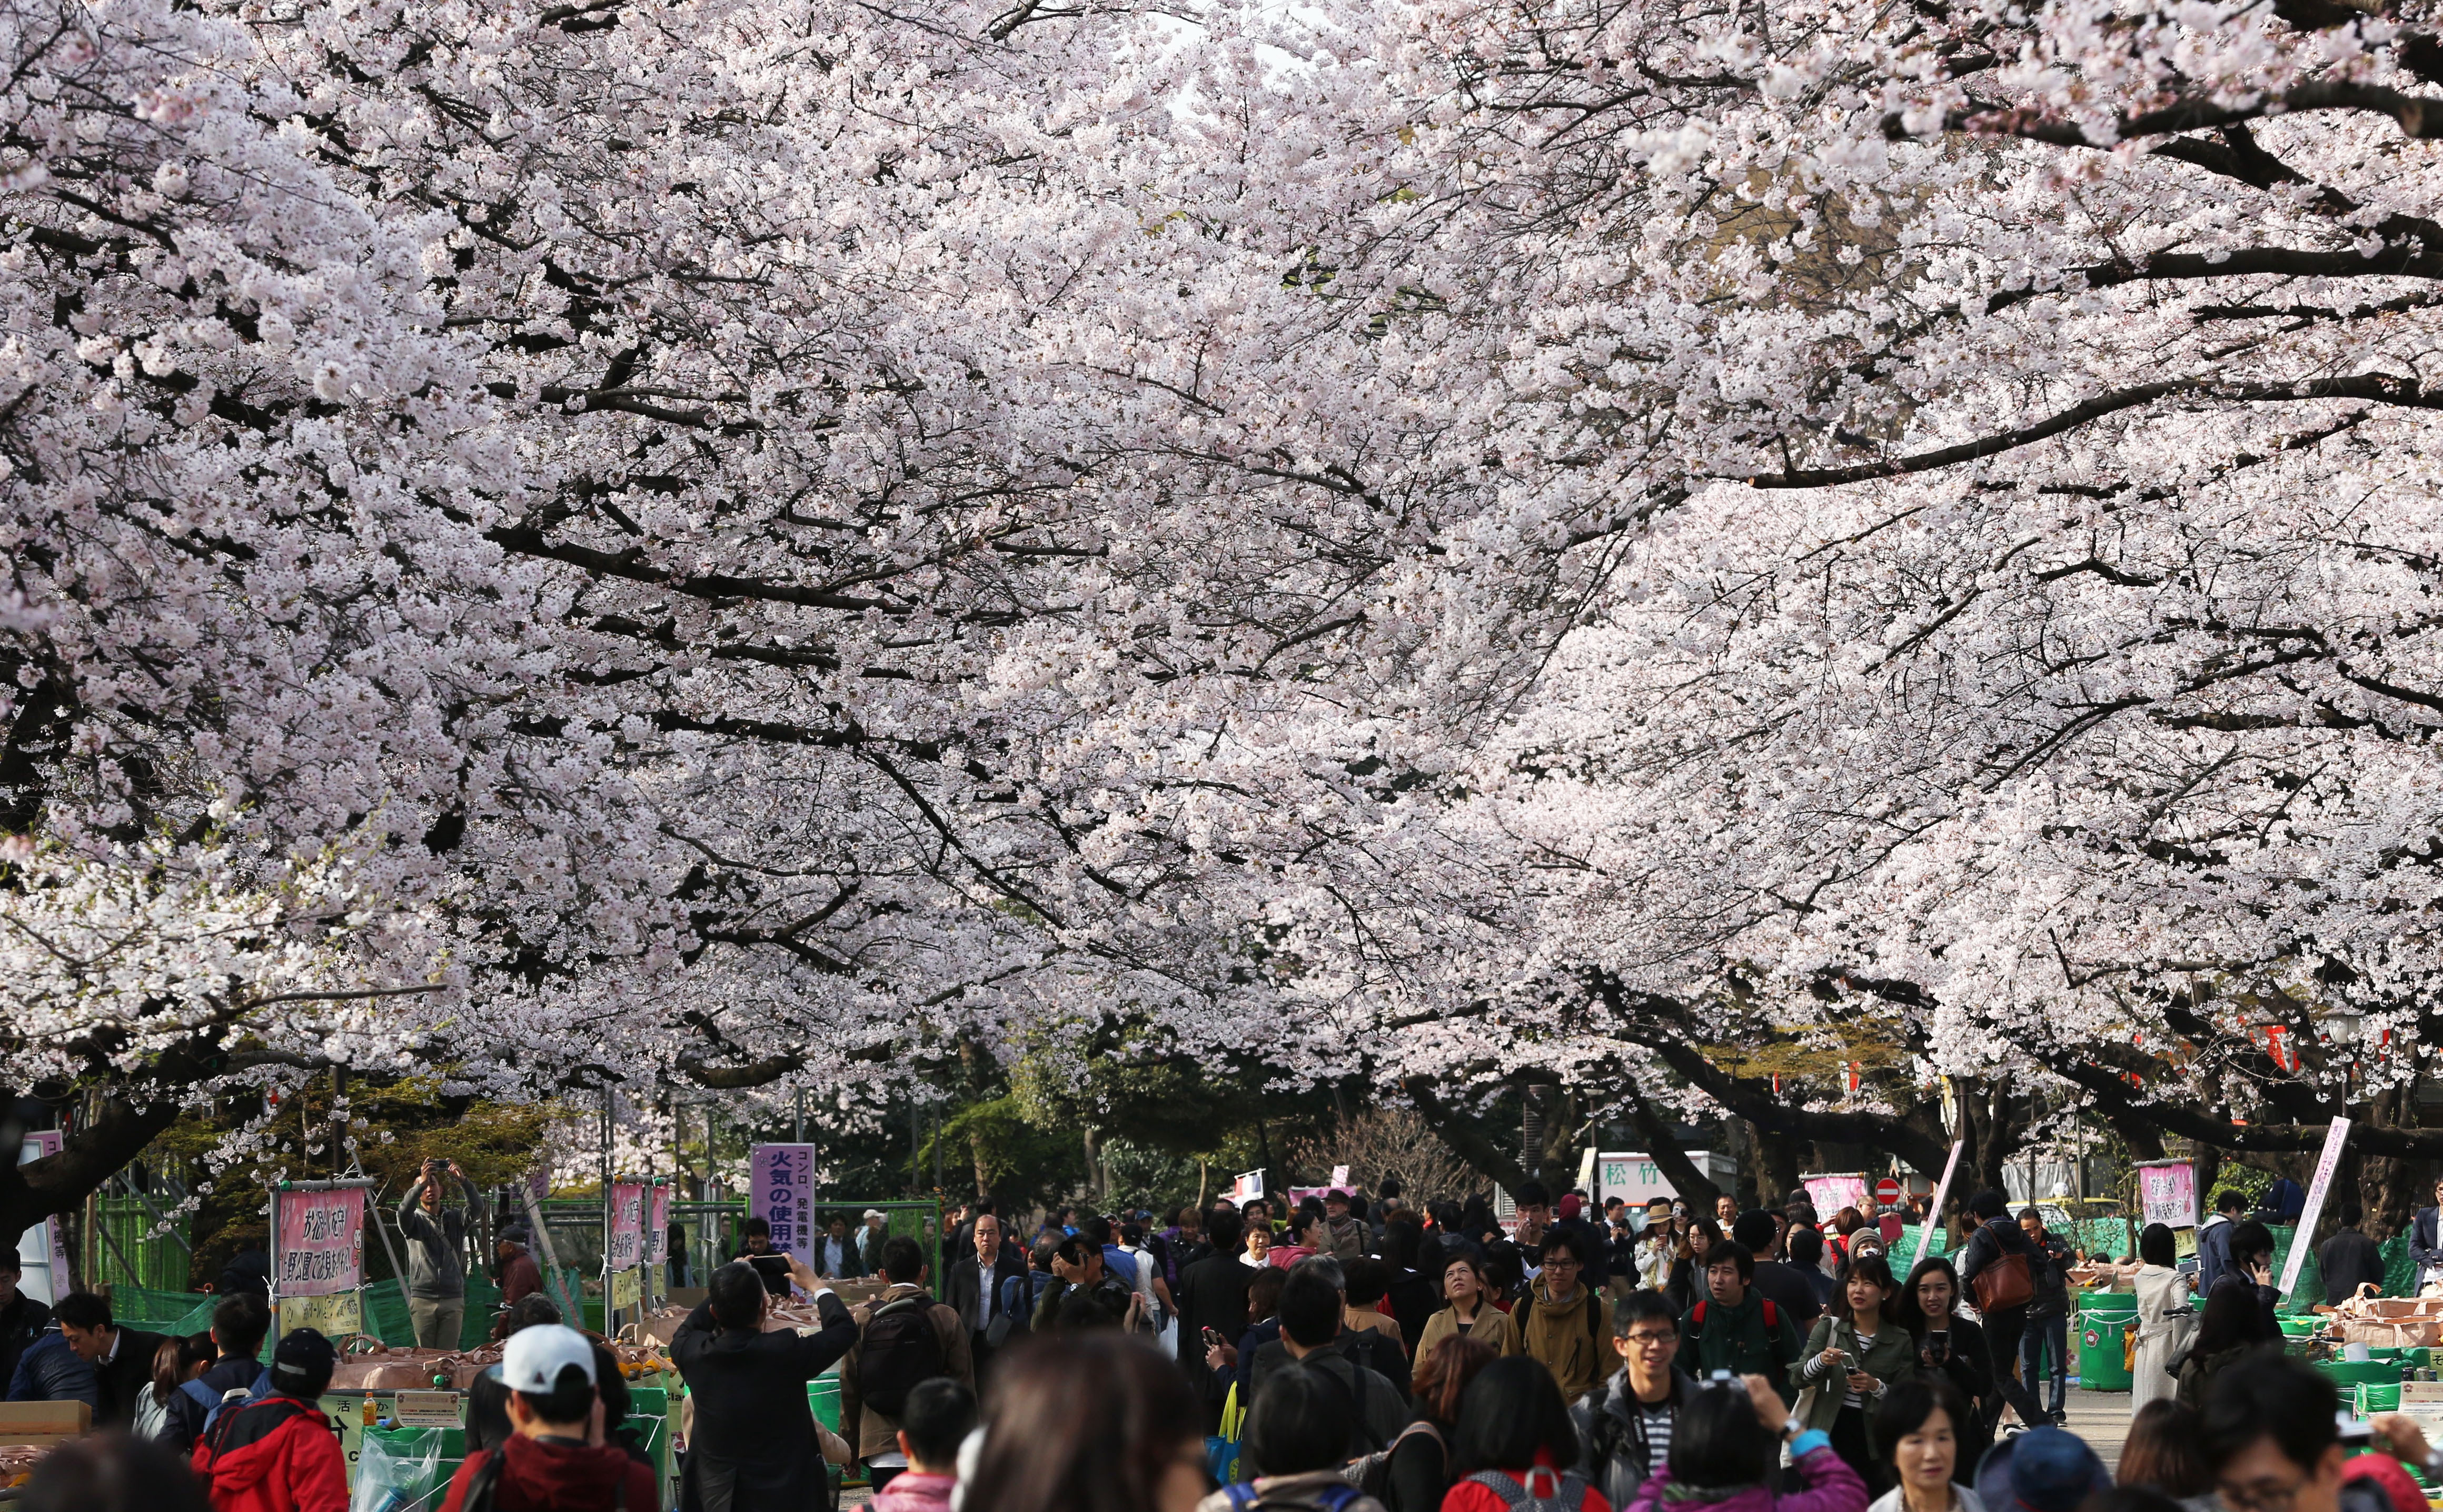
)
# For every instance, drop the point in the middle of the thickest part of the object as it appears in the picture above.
(1212, 1339)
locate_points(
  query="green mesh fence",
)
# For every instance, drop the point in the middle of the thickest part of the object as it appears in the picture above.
(388, 1319)
(158, 1261)
(2400, 1271)
(1903, 1251)
(2109, 1235)
(483, 1300)
(160, 1312)
(2310, 1289)
(386, 1315)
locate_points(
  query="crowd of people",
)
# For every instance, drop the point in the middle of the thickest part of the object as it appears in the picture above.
(1343, 1356)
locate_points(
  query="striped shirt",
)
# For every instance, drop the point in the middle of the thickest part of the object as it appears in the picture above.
(1816, 1368)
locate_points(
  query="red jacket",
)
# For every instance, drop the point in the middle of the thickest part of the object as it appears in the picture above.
(557, 1476)
(275, 1455)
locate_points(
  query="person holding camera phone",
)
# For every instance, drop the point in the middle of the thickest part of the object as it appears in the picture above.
(436, 1246)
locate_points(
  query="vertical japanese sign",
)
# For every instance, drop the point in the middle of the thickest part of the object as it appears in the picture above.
(1934, 1209)
(2167, 1193)
(780, 1191)
(625, 1256)
(2325, 1165)
(318, 1258)
(658, 1224)
(627, 1224)
(42, 1250)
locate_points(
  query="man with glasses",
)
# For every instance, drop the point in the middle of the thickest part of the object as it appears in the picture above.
(1563, 1321)
(2273, 1437)
(1625, 1424)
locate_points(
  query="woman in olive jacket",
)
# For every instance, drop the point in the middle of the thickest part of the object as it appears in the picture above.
(1852, 1355)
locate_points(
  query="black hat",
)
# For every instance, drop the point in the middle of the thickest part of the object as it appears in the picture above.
(301, 1365)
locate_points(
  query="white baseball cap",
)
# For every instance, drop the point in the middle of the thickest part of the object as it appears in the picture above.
(536, 1357)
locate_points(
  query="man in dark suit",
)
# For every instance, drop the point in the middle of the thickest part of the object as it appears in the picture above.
(2426, 1240)
(754, 1441)
(22, 1318)
(979, 1288)
(121, 1358)
(2349, 1260)
(1213, 1294)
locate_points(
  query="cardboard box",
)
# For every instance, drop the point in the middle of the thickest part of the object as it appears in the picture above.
(43, 1422)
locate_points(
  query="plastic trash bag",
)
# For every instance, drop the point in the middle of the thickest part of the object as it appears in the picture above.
(398, 1474)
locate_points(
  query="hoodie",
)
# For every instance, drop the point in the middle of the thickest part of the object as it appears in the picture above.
(1571, 1339)
(917, 1491)
(275, 1455)
(561, 1475)
(2214, 1252)
(1832, 1486)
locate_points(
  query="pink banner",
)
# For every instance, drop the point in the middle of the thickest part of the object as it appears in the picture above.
(627, 1224)
(657, 1225)
(321, 1237)
(1830, 1194)
(2167, 1193)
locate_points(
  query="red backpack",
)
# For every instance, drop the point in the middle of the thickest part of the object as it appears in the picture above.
(1771, 1318)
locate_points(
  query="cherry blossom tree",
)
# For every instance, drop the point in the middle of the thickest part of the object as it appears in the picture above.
(779, 544)
(758, 532)
(2008, 551)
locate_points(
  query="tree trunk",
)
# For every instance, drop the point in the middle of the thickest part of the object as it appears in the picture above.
(116, 1133)
(2391, 1188)
(1776, 1165)
(1556, 1162)
(2209, 1163)
(1994, 1134)
(1692, 1184)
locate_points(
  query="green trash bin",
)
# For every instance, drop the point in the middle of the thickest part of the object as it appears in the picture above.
(649, 1415)
(2103, 1342)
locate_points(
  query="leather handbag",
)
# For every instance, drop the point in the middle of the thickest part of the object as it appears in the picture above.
(2004, 1285)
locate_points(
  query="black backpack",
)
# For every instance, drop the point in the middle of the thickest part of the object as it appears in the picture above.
(899, 1349)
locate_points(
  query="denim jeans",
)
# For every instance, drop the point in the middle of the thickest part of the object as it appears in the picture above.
(2045, 1334)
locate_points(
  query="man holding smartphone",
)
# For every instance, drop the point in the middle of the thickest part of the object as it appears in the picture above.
(436, 1246)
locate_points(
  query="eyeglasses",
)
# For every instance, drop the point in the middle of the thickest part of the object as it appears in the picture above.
(2263, 1496)
(1650, 1339)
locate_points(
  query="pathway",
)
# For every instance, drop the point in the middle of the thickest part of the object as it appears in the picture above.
(2102, 1418)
